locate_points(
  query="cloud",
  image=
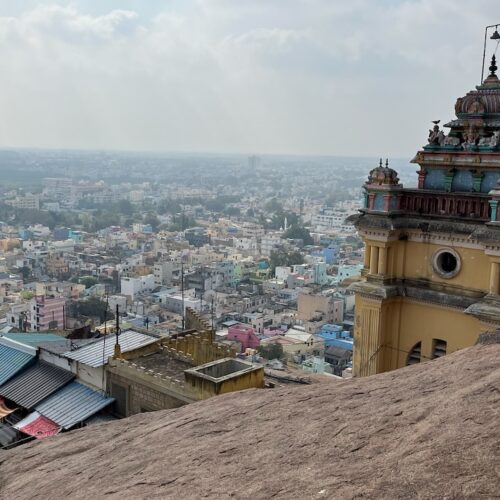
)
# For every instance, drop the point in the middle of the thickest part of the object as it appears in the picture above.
(292, 76)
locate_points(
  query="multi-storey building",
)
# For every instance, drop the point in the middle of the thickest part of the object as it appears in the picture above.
(29, 202)
(47, 313)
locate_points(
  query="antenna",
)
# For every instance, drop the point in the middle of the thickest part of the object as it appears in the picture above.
(117, 333)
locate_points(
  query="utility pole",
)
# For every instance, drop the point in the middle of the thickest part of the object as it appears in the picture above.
(118, 351)
(213, 317)
(182, 296)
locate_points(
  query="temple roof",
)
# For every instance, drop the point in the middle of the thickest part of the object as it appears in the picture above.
(477, 127)
(485, 99)
(381, 175)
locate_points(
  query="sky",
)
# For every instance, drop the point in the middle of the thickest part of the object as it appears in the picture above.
(305, 77)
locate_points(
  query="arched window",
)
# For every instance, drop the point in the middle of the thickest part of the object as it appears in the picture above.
(414, 355)
(438, 348)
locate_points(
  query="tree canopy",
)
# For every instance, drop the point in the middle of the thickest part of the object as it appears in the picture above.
(280, 258)
(271, 351)
(299, 233)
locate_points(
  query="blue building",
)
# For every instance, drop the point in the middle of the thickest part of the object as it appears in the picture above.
(331, 253)
(334, 335)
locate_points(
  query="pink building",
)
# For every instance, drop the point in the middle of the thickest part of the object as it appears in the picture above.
(47, 313)
(245, 335)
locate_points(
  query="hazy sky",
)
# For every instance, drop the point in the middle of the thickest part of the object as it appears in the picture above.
(344, 77)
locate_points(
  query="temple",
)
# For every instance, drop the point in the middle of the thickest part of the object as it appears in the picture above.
(432, 254)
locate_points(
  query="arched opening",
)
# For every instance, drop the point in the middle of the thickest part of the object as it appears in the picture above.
(438, 348)
(414, 355)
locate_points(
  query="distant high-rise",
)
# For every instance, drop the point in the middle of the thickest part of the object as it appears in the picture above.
(254, 162)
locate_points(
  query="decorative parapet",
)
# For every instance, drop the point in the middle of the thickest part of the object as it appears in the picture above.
(197, 345)
(198, 349)
(421, 202)
(195, 322)
(179, 355)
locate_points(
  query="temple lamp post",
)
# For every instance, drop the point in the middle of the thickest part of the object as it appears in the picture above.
(495, 36)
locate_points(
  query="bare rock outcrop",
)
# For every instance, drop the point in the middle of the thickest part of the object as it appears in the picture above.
(427, 431)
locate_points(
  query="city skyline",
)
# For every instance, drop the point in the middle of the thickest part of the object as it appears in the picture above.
(314, 78)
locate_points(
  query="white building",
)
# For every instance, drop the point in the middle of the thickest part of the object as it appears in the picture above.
(28, 201)
(133, 286)
(269, 243)
(247, 245)
(173, 303)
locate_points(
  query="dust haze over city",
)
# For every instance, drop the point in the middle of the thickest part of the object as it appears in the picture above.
(221, 222)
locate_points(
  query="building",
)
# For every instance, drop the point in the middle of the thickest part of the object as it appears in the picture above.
(175, 302)
(197, 236)
(317, 307)
(432, 260)
(27, 202)
(57, 187)
(178, 370)
(165, 271)
(56, 264)
(245, 335)
(134, 286)
(269, 243)
(47, 313)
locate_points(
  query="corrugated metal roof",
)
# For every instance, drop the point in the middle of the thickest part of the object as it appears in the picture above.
(34, 384)
(38, 426)
(8, 435)
(33, 338)
(97, 353)
(73, 403)
(13, 360)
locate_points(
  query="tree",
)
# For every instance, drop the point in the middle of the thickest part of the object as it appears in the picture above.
(271, 351)
(279, 218)
(95, 307)
(280, 258)
(88, 281)
(26, 272)
(168, 206)
(125, 207)
(215, 205)
(152, 220)
(232, 211)
(299, 233)
(27, 294)
(273, 206)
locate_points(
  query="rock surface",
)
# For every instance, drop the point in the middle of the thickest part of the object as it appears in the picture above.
(427, 431)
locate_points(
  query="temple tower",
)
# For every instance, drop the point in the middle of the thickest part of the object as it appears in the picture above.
(432, 254)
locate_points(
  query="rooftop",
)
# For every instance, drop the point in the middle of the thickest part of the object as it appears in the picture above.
(163, 364)
(97, 353)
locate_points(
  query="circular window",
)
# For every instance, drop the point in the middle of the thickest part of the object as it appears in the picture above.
(446, 263)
